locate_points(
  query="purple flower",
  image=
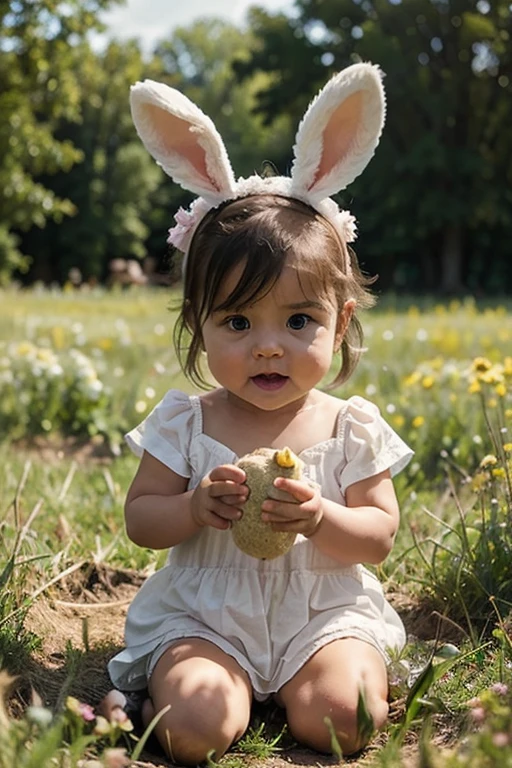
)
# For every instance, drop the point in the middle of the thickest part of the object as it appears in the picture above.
(478, 715)
(80, 709)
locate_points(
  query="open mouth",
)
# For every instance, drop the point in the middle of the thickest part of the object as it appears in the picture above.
(270, 381)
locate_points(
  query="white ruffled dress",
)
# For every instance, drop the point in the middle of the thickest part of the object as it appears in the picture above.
(270, 615)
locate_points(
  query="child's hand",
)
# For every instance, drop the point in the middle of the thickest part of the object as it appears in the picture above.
(217, 499)
(303, 515)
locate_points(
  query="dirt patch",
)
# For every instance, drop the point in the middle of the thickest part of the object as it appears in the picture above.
(81, 623)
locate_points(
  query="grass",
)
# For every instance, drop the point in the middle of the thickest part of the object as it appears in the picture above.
(62, 535)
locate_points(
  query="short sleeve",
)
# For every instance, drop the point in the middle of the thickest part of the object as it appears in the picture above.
(371, 445)
(166, 432)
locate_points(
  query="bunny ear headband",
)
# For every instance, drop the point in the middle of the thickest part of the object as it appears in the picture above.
(335, 141)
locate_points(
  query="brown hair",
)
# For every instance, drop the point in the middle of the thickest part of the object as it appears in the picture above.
(260, 232)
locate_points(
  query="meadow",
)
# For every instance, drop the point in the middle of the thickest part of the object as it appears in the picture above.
(77, 369)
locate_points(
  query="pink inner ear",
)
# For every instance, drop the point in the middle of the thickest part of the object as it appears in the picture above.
(339, 134)
(176, 137)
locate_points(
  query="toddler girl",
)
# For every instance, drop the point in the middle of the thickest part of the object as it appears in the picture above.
(270, 294)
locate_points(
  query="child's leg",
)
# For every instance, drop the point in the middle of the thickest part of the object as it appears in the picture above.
(328, 686)
(210, 697)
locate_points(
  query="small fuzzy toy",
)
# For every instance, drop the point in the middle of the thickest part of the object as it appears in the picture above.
(251, 534)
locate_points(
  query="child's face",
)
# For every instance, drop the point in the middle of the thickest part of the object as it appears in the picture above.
(274, 351)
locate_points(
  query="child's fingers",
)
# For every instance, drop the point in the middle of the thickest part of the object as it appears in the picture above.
(300, 490)
(214, 521)
(292, 518)
(277, 511)
(228, 488)
(228, 472)
(220, 517)
(234, 500)
(226, 511)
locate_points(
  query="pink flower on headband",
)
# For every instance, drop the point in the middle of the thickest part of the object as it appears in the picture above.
(186, 222)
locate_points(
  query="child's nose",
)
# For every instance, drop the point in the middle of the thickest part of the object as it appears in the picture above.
(267, 346)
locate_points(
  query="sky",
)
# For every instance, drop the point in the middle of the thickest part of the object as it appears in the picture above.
(150, 20)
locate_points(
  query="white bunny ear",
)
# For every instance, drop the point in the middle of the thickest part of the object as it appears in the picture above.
(339, 132)
(182, 139)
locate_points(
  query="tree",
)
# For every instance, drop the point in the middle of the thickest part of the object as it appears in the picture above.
(439, 187)
(38, 88)
(111, 188)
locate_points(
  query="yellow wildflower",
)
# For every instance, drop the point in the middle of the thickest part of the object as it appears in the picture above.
(507, 366)
(105, 344)
(58, 337)
(474, 387)
(500, 390)
(418, 421)
(427, 382)
(398, 420)
(25, 348)
(481, 364)
(479, 481)
(412, 379)
(488, 461)
(45, 355)
(492, 402)
(101, 726)
(498, 472)
(492, 376)
(507, 447)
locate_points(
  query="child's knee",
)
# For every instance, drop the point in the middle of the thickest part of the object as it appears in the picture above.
(201, 723)
(318, 724)
(190, 735)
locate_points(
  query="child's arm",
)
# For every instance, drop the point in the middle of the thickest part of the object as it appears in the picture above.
(160, 512)
(363, 531)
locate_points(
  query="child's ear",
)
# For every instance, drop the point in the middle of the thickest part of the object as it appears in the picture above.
(344, 318)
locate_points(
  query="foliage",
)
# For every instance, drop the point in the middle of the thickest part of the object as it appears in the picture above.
(112, 188)
(489, 739)
(435, 201)
(83, 377)
(44, 391)
(469, 565)
(67, 739)
(39, 86)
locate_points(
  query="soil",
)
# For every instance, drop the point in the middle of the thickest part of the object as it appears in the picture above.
(81, 627)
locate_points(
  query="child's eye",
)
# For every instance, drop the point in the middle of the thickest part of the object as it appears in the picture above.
(298, 322)
(238, 323)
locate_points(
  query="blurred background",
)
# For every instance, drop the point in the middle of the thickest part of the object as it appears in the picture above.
(82, 202)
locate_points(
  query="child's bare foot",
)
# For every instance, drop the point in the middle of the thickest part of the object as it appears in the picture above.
(110, 705)
(123, 708)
